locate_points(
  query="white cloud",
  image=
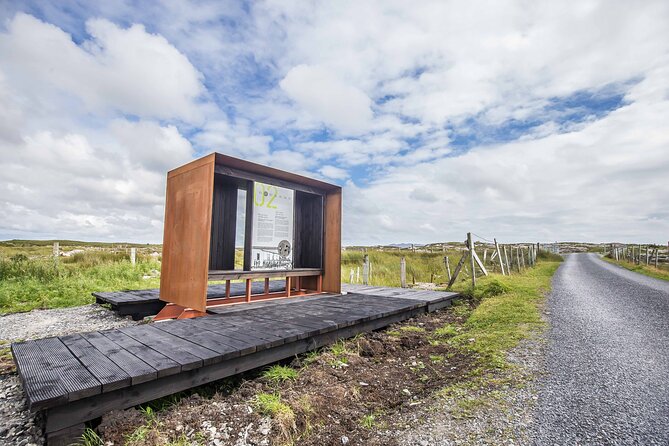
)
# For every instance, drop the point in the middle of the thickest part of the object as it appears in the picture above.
(386, 87)
(604, 182)
(237, 140)
(334, 173)
(326, 97)
(151, 146)
(71, 165)
(62, 185)
(423, 194)
(125, 70)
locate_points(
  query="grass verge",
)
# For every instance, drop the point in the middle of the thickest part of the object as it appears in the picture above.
(646, 270)
(508, 311)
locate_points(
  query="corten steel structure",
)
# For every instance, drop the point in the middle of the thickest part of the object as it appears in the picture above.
(200, 231)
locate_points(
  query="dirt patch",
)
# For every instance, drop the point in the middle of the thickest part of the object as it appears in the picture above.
(495, 408)
(344, 394)
(6, 360)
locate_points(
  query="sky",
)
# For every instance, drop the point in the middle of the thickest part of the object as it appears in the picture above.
(519, 120)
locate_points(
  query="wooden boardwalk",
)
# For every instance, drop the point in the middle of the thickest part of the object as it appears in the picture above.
(142, 303)
(79, 377)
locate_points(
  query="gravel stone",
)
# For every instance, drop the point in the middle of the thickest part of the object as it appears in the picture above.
(58, 322)
(607, 357)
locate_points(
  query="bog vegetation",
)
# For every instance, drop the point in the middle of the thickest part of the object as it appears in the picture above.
(30, 278)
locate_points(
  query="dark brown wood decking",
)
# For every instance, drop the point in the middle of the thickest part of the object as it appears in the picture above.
(80, 377)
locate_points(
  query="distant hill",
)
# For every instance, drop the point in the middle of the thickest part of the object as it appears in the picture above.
(403, 245)
(27, 243)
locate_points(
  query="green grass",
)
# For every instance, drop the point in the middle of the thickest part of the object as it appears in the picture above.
(139, 434)
(278, 374)
(412, 329)
(420, 266)
(507, 313)
(271, 404)
(549, 256)
(339, 349)
(30, 283)
(90, 438)
(30, 279)
(648, 270)
(447, 331)
(368, 421)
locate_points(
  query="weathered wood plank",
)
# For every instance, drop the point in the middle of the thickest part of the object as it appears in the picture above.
(138, 370)
(188, 354)
(77, 381)
(242, 330)
(163, 365)
(40, 382)
(207, 339)
(110, 375)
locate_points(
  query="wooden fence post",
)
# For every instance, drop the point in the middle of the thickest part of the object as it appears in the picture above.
(133, 255)
(479, 263)
(357, 276)
(365, 270)
(56, 251)
(350, 277)
(506, 258)
(458, 267)
(470, 245)
(448, 267)
(499, 256)
(656, 250)
(647, 255)
(403, 272)
(534, 255)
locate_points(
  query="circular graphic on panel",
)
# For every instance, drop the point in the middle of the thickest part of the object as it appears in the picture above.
(284, 248)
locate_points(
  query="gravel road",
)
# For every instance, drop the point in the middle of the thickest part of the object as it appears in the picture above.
(607, 359)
